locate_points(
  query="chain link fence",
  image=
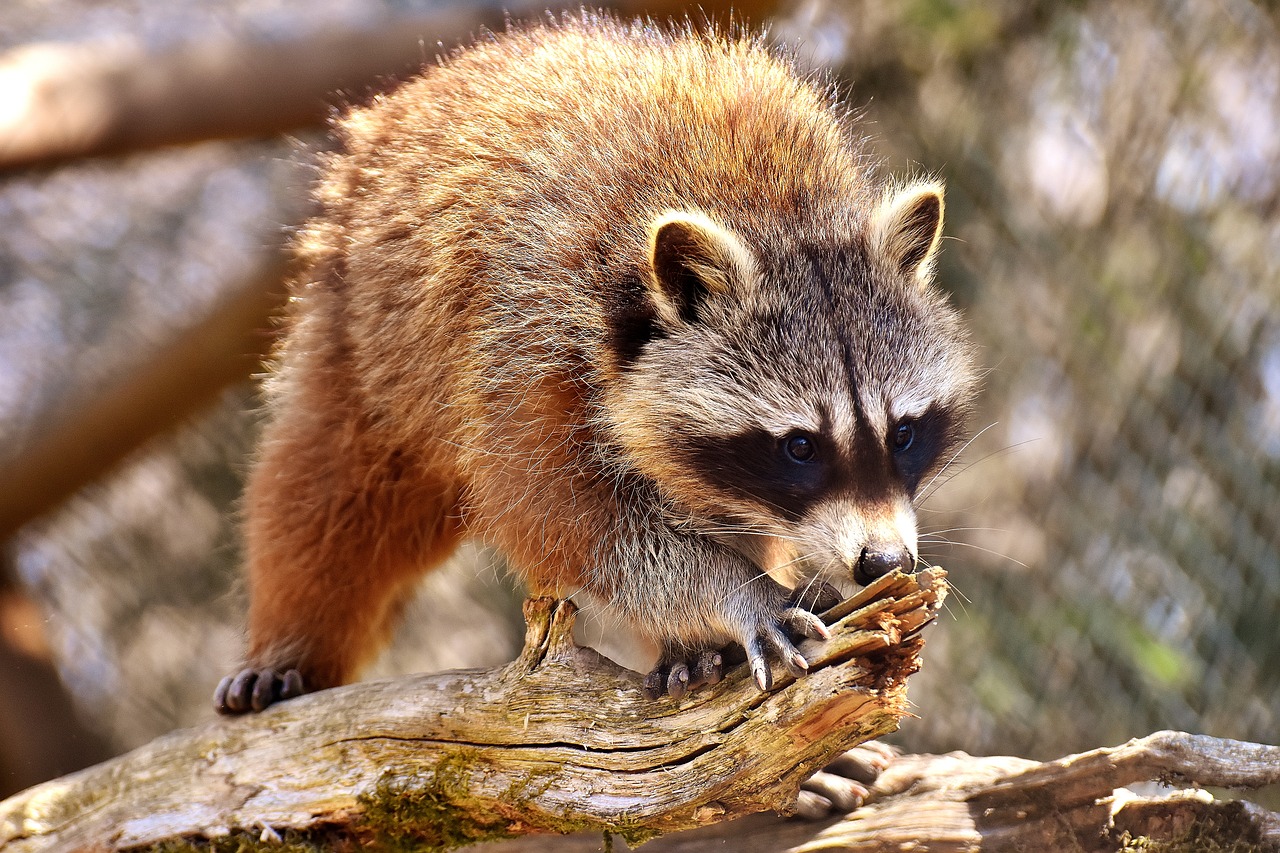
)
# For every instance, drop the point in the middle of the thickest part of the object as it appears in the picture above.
(1113, 193)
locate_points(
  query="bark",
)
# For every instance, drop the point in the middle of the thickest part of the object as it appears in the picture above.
(958, 803)
(559, 740)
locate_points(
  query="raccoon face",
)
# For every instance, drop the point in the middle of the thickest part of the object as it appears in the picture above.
(798, 397)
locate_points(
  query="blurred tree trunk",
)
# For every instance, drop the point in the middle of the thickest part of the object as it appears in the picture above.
(40, 735)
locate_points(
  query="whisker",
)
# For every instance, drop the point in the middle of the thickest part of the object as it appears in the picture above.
(953, 458)
(986, 550)
(808, 587)
(936, 533)
(713, 531)
(965, 467)
(960, 598)
(744, 584)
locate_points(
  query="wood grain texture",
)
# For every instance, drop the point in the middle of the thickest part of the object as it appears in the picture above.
(560, 739)
(959, 803)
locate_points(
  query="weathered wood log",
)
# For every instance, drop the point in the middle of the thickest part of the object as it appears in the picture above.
(559, 740)
(958, 803)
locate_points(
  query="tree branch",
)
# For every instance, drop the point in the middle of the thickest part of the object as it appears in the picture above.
(1080, 803)
(958, 802)
(64, 101)
(558, 740)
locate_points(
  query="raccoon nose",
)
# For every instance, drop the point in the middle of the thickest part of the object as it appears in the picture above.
(877, 560)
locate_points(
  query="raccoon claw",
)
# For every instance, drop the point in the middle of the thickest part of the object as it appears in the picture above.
(775, 640)
(803, 623)
(675, 675)
(255, 689)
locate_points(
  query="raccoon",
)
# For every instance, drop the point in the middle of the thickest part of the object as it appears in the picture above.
(627, 302)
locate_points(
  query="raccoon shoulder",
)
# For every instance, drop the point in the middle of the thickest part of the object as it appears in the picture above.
(541, 157)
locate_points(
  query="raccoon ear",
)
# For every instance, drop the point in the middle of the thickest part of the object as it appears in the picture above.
(907, 228)
(691, 258)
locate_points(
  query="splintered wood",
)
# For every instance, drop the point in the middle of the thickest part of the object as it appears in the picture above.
(559, 740)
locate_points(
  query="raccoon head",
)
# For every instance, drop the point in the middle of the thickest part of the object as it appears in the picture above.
(795, 394)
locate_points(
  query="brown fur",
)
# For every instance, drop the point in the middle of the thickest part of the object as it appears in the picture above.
(450, 367)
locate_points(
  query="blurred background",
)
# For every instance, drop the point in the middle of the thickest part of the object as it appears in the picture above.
(1112, 534)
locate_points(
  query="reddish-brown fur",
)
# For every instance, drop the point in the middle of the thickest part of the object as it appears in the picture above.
(448, 368)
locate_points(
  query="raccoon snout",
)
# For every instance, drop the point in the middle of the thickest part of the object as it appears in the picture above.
(878, 559)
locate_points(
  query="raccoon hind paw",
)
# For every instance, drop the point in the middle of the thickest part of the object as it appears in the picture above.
(679, 672)
(255, 688)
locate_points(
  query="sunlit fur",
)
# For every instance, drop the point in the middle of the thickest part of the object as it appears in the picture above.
(479, 345)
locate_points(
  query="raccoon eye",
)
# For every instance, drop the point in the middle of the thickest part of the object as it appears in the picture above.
(801, 448)
(903, 436)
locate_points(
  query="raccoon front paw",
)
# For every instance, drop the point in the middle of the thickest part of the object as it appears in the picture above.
(680, 671)
(253, 689)
(775, 637)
